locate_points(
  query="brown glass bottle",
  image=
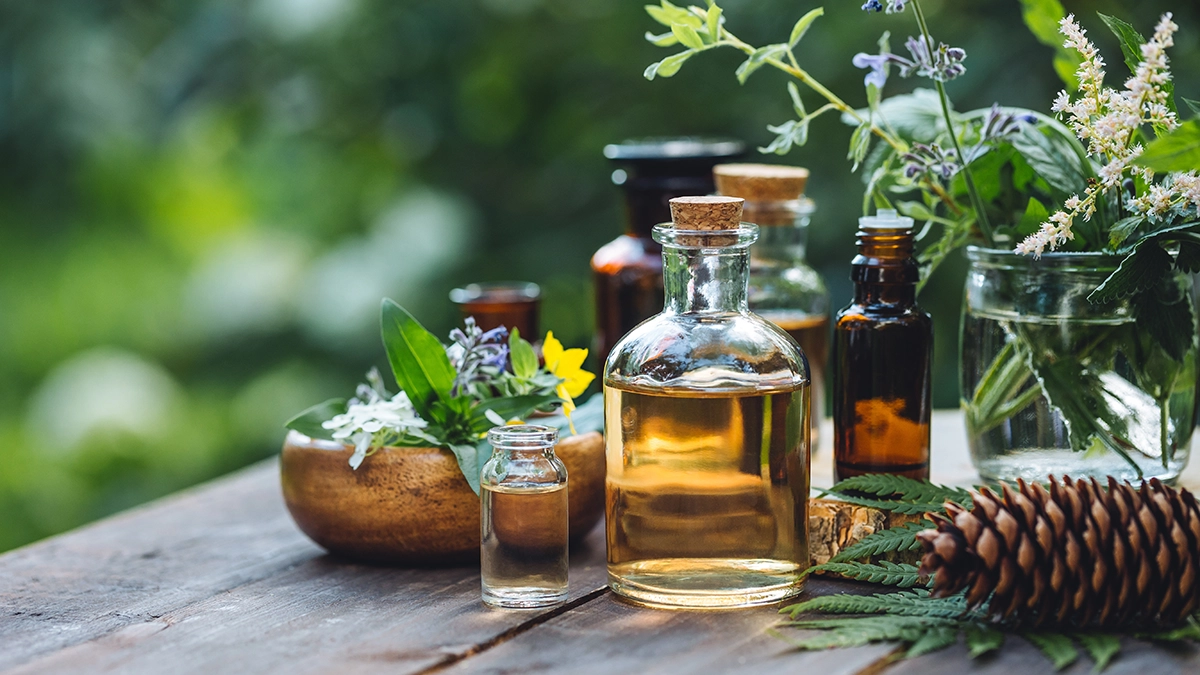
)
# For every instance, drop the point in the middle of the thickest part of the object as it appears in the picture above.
(627, 272)
(882, 357)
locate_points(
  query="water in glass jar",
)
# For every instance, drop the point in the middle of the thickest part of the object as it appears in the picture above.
(707, 495)
(524, 545)
(1014, 429)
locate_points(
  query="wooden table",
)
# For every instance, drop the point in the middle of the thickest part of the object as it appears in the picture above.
(217, 579)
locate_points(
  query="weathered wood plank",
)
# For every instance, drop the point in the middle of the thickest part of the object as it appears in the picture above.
(142, 564)
(610, 636)
(321, 615)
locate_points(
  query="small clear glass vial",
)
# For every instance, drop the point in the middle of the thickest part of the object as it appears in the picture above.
(523, 509)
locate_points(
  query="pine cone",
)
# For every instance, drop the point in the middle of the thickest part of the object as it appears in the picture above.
(1075, 555)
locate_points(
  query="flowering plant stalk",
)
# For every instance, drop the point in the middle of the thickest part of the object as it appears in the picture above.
(451, 395)
(1009, 178)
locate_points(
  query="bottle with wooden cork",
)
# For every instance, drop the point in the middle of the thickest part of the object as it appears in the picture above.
(627, 272)
(706, 430)
(783, 287)
(882, 356)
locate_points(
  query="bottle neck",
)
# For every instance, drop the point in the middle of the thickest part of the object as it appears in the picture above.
(781, 244)
(706, 280)
(884, 271)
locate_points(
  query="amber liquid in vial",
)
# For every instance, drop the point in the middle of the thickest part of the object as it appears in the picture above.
(524, 540)
(707, 495)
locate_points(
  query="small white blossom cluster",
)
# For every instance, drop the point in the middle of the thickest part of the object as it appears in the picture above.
(1106, 120)
(373, 420)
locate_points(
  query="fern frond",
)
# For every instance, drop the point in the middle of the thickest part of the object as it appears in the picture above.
(906, 508)
(903, 603)
(1056, 646)
(1102, 647)
(895, 488)
(982, 639)
(934, 639)
(903, 538)
(886, 573)
(857, 631)
(1188, 631)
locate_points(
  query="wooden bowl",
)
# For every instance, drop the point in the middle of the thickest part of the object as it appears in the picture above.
(412, 506)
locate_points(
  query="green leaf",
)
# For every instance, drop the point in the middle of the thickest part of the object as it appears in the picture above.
(901, 538)
(1053, 158)
(663, 40)
(1056, 646)
(906, 508)
(687, 36)
(418, 359)
(792, 132)
(803, 25)
(1102, 647)
(470, 460)
(757, 59)
(916, 116)
(982, 639)
(1035, 215)
(860, 144)
(668, 66)
(903, 489)
(1140, 270)
(524, 358)
(309, 422)
(1177, 151)
(1188, 258)
(1042, 18)
(797, 102)
(507, 407)
(667, 14)
(1131, 41)
(934, 639)
(884, 572)
(1188, 631)
(1194, 106)
(1165, 313)
(1123, 228)
(714, 20)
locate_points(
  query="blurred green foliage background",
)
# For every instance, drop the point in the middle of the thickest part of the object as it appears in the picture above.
(203, 201)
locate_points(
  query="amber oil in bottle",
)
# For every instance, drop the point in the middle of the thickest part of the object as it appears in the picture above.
(523, 518)
(882, 354)
(707, 435)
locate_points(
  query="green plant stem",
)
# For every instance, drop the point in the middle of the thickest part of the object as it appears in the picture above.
(799, 73)
(976, 202)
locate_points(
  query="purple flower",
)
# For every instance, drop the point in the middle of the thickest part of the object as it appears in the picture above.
(476, 356)
(872, 6)
(893, 6)
(943, 64)
(878, 63)
(930, 160)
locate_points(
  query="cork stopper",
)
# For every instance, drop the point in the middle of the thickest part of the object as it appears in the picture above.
(707, 213)
(761, 182)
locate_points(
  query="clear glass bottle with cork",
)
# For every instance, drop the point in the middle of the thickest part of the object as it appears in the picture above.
(627, 272)
(523, 519)
(706, 431)
(784, 288)
(882, 358)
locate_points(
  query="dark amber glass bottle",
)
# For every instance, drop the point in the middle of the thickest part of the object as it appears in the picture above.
(628, 271)
(882, 356)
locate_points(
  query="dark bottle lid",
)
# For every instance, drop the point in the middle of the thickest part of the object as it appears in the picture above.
(652, 171)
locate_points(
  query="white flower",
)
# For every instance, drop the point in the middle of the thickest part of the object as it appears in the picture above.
(373, 420)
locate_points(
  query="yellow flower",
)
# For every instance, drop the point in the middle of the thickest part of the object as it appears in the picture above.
(567, 365)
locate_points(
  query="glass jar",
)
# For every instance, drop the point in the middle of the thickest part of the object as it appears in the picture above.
(784, 288)
(1054, 384)
(707, 435)
(627, 272)
(523, 519)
